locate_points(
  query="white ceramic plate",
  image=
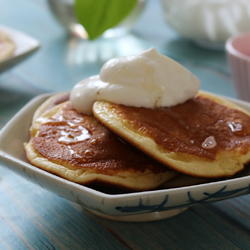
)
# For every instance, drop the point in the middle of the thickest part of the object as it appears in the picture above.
(25, 46)
(140, 206)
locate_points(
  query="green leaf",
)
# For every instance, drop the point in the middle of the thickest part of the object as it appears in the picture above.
(99, 15)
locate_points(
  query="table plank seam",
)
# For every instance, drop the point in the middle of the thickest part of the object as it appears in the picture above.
(230, 219)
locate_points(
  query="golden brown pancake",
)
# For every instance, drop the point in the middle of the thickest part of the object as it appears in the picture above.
(7, 46)
(206, 136)
(182, 180)
(79, 148)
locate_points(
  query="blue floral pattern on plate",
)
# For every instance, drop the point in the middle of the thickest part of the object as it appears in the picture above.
(222, 193)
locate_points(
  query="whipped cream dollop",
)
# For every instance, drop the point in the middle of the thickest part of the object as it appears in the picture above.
(147, 80)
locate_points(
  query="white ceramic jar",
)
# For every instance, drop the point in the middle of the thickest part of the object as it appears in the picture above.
(208, 22)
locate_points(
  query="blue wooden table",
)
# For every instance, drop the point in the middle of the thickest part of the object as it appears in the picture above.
(33, 218)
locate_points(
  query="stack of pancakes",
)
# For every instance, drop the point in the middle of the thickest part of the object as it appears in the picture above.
(139, 148)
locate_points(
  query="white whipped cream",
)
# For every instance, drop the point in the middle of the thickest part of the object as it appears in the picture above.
(147, 80)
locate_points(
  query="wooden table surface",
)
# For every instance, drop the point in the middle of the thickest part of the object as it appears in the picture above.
(33, 218)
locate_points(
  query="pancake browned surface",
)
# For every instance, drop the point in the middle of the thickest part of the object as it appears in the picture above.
(206, 136)
(78, 148)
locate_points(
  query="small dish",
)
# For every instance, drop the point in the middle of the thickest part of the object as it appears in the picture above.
(139, 206)
(238, 54)
(25, 46)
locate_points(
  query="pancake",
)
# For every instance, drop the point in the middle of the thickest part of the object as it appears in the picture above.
(207, 136)
(182, 180)
(80, 149)
(7, 46)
